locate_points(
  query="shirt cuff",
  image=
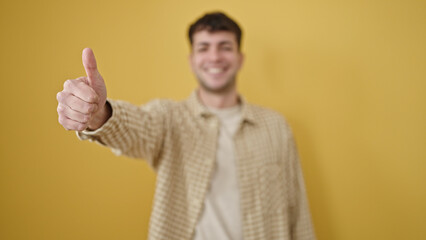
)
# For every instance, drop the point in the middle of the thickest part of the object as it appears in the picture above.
(106, 129)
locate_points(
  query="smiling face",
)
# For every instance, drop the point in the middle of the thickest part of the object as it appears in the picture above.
(215, 60)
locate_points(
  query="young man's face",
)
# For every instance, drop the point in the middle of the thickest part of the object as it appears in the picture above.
(215, 60)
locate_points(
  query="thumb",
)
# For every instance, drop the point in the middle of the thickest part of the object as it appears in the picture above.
(89, 63)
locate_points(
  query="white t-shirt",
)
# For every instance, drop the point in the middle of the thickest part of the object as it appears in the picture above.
(221, 216)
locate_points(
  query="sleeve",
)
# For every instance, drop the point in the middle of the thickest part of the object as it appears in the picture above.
(134, 131)
(301, 223)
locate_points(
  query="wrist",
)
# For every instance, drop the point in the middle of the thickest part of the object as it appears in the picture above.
(100, 117)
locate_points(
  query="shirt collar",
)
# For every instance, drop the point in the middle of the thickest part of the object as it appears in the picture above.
(199, 109)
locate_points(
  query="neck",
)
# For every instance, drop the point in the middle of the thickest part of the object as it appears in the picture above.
(218, 100)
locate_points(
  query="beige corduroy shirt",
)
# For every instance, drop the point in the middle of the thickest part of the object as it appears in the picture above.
(179, 140)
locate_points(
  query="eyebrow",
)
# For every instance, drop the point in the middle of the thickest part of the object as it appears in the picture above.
(207, 43)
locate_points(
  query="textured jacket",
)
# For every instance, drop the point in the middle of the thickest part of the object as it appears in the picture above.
(178, 139)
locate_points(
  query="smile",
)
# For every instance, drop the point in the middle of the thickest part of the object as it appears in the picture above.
(215, 70)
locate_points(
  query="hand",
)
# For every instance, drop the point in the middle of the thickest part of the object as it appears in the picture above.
(81, 104)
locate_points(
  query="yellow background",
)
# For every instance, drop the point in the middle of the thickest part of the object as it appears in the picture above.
(350, 76)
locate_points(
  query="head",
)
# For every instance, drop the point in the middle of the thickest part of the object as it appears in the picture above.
(215, 56)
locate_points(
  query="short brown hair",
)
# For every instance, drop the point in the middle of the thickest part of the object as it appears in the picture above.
(213, 22)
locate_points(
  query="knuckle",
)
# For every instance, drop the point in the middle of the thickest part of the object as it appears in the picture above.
(60, 109)
(61, 120)
(82, 79)
(59, 96)
(67, 83)
(81, 82)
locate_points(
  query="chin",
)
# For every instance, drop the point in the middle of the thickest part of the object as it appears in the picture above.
(216, 85)
(222, 88)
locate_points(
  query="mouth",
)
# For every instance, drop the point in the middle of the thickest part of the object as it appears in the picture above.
(215, 71)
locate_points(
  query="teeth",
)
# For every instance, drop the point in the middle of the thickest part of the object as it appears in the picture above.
(215, 70)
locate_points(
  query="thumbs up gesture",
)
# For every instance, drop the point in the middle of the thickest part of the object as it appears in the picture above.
(81, 104)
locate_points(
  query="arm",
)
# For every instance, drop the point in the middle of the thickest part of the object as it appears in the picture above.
(301, 223)
(134, 131)
(127, 129)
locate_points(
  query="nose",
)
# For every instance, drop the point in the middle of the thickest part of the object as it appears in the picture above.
(214, 55)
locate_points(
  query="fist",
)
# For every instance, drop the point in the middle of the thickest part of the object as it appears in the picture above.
(81, 104)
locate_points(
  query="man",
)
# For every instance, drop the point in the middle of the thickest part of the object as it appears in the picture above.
(226, 169)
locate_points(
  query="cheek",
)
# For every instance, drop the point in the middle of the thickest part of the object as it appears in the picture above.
(196, 62)
(236, 63)
(234, 59)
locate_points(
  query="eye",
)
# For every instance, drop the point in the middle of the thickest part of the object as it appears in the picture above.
(201, 49)
(227, 48)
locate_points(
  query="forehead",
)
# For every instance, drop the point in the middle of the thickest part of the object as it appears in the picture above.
(205, 36)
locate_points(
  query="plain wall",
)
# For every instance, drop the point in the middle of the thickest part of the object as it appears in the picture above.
(350, 77)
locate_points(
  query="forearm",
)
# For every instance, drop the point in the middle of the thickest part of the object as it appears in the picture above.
(134, 131)
(113, 133)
